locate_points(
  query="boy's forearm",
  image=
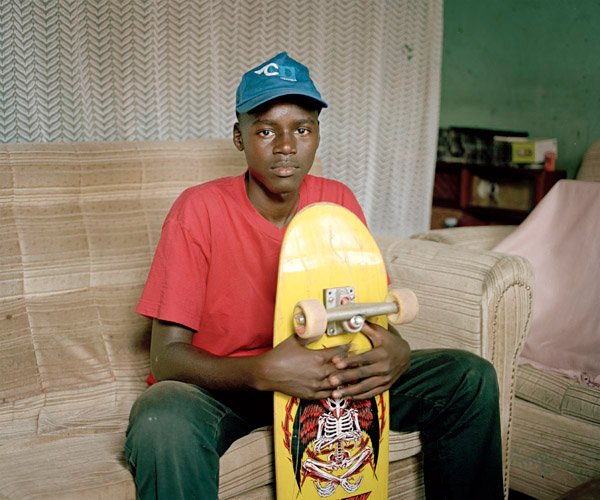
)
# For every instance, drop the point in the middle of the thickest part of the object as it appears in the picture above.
(187, 363)
(173, 357)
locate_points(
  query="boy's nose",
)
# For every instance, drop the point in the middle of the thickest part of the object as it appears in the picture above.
(285, 144)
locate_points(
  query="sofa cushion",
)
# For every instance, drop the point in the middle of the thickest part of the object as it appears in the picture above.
(558, 394)
(78, 467)
(551, 453)
(78, 227)
(87, 462)
(99, 360)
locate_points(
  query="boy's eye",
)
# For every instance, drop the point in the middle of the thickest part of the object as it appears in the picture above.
(303, 131)
(265, 133)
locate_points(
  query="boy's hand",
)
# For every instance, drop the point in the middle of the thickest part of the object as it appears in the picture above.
(295, 370)
(373, 372)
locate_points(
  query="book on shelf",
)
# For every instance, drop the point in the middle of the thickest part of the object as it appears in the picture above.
(469, 144)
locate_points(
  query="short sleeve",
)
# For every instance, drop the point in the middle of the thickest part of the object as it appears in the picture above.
(176, 286)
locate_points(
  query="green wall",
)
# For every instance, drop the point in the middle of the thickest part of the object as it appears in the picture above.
(531, 65)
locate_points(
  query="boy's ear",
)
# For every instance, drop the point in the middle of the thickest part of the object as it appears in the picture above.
(237, 137)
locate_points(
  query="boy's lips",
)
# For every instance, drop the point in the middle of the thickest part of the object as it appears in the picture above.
(284, 170)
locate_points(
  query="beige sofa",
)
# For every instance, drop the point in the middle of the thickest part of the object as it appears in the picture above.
(556, 425)
(78, 226)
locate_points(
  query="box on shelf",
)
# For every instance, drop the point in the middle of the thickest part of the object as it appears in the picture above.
(524, 150)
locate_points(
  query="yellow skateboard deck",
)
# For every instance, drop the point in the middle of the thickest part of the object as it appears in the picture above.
(336, 449)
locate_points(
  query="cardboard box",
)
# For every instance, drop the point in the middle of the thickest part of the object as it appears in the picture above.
(525, 150)
(532, 150)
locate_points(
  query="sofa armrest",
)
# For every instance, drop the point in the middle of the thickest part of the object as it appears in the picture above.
(475, 237)
(475, 300)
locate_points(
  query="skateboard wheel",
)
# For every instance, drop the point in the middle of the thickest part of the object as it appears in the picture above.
(408, 305)
(310, 318)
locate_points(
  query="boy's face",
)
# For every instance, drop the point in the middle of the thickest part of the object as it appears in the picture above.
(280, 141)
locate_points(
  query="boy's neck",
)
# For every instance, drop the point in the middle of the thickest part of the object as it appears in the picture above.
(278, 209)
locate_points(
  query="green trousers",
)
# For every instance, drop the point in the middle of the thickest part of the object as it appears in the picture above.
(178, 431)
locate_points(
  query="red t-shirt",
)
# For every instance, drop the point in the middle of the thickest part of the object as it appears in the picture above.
(215, 266)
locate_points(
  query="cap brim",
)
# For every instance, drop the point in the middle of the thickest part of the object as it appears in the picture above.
(274, 94)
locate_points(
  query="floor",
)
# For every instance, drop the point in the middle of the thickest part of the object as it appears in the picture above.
(515, 495)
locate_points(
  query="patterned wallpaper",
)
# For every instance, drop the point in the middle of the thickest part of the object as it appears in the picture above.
(83, 70)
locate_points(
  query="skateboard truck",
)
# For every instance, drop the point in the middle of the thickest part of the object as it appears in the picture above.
(342, 314)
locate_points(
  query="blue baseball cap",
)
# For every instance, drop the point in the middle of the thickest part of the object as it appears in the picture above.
(277, 77)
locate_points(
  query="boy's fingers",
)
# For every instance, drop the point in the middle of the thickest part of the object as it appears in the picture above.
(338, 351)
(362, 390)
(372, 332)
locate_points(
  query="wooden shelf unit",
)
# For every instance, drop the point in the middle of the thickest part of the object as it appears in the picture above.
(455, 192)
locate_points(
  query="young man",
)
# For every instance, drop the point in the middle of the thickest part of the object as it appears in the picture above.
(213, 374)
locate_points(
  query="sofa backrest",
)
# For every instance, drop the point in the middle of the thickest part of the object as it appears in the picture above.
(590, 166)
(78, 226)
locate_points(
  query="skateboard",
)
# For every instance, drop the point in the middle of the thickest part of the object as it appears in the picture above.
(331, 279)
